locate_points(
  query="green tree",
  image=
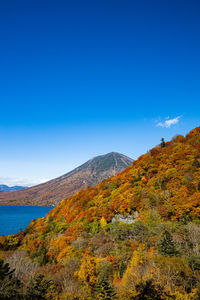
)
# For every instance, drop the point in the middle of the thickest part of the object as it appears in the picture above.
(10, 287)
(162, 144)
(166, 245)
(122, 268)
(43, 259)
(199, 186)
(194, 263)
(104, 290)
(4, 270)
(95, 226)
(149, 291)
(39, 287)
(196, 163)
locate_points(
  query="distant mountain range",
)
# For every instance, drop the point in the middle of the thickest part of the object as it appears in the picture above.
(50, 193)
(6, 188)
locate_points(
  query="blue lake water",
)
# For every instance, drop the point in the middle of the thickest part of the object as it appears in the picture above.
(12, 218)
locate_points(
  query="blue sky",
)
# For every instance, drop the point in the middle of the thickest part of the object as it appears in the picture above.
(83, 78)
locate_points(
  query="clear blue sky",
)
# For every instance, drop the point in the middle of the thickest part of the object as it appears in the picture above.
(83, 78)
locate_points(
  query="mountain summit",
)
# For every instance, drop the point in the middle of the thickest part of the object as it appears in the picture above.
(50, 193)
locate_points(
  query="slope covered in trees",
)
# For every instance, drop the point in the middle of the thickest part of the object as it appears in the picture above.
(134, 236)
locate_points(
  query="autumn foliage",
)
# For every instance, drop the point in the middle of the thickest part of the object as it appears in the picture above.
(157, 256)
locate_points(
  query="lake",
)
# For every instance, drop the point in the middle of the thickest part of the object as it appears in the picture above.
(14, 218)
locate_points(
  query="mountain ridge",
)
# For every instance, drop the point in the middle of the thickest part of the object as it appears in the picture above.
(50, 193)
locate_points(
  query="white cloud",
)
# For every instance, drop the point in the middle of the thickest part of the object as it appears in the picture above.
(21, 181)
(169, 122)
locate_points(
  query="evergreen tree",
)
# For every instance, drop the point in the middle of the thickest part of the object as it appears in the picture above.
(104, 291)
(166, 245)
(38, 288)
(199, 186)
(4, 270)
(10, 287)
(196, 163)
(122, 269)
(149, 291)
(162, 143)
(43, 259)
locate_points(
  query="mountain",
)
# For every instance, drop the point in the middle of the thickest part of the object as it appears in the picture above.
(53, 191)
(136, 235)
(6, 188)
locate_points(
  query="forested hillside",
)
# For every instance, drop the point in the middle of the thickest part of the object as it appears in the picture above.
(134, 236)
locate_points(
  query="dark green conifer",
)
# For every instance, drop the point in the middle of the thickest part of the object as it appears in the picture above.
(4, 270)
(162, 143)
(38, 288)
(149, 291)
(104, 291)
(166, 245)
(122, 268)
(10, 287)
(196, 163)
(199, 186)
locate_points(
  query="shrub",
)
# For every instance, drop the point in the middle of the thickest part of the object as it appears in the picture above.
(194, 262)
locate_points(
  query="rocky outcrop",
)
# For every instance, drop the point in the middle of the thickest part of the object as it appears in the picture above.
(128, 219)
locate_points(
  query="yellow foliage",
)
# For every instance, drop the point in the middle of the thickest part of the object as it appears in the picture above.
(103, 222)
(57, 245)
(138, 255)
(64, 254)
(12, 240)
(87, 272)
(179, 296)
